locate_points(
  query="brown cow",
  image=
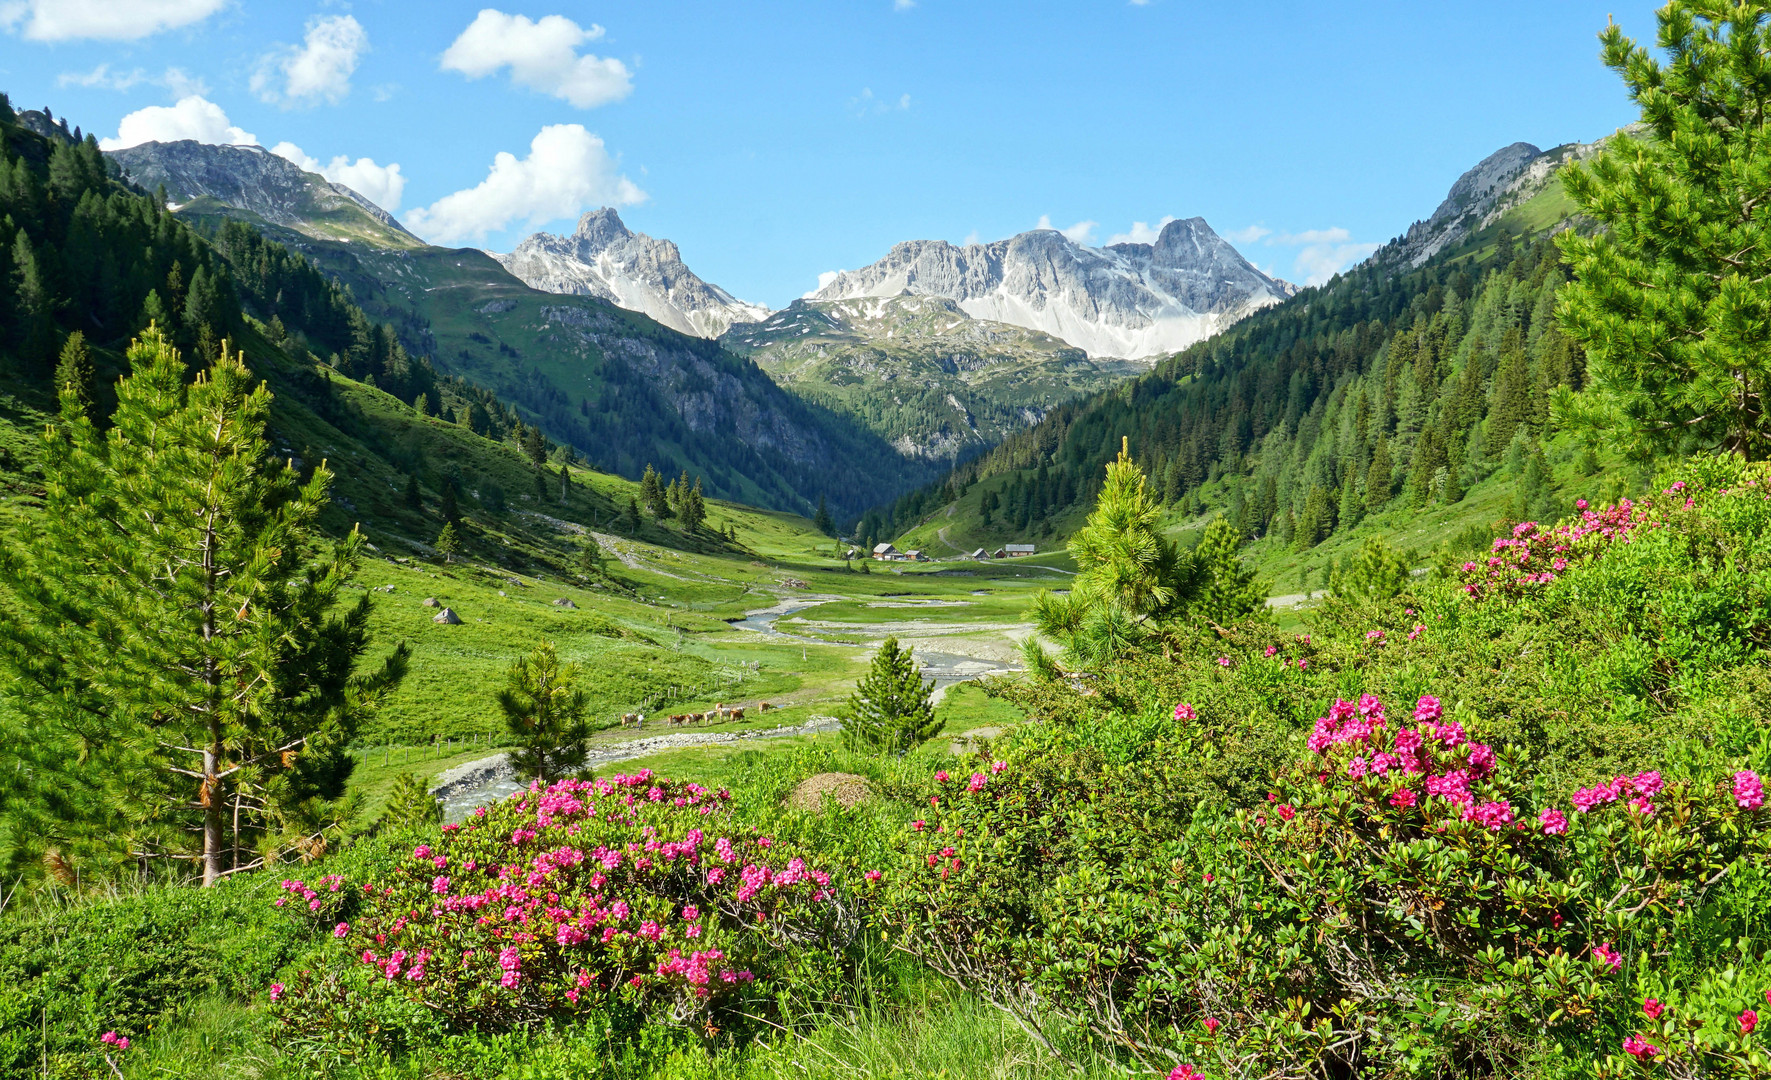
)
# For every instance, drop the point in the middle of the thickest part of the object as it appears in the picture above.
(737, 714)
(763, 706)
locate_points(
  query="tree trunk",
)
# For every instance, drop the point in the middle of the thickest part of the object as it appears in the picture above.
(212, 805)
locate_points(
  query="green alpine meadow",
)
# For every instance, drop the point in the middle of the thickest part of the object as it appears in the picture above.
(445, 637)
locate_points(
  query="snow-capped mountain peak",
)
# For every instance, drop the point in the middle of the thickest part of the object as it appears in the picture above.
(1126, 300)
(604, 258)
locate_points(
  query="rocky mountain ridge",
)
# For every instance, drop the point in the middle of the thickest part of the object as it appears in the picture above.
(259, 183)
(1125, 300)
(919, 370)
(604, 258)
(1498, 183)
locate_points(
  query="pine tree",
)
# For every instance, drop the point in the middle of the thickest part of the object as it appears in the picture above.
(1228, 590)
(1128, 574)
(1377, 572)
(565, 484)
(414, 497)
(153, 313)
(1378, 477)
(694, 510)
(652, 493)
(821, 520)
(34, 303)
(535, 446)
(74, 375)
(545, 715)
(171, 611)
(410, 806)
(421, 404)
(590, 555)
(891, 710)
(1670, 293)
(448, 544)
(450, 511)
(633, 516)
(202, 312)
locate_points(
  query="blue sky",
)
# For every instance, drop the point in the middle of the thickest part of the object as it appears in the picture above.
(776, 141)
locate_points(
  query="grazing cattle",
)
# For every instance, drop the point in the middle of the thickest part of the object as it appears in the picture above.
(763, 706)
(737, 714)
(629, 718)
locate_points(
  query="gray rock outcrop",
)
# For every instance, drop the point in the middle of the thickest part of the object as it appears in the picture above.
(604, 258)
(1124, 300)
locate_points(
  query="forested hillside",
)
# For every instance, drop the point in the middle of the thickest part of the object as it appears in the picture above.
(620, 388)
(93, 263)
(1387, 384)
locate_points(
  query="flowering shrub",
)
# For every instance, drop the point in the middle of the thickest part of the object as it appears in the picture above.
(634, 892)
(1400, 901)
(1535, 556)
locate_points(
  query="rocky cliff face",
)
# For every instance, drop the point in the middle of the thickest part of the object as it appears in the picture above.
(1498, 183)
(1125, 300)
(604, 258)
(252, 179)
(919, 371)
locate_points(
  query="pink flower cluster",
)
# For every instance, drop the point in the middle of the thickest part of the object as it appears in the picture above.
(583, 887)
(1639, 790)
(1533, 556)
(1432, 748)
(121, 1042)
(1749, 790)
(302, 893)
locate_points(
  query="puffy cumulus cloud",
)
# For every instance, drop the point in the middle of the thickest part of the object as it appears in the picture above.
(380, 184)
(1080, 233)
(319, 69)
(568, 169)
(193, 117)
(824, 280)
(1141, 232)
(107, 20)
(1321, 253)
(542, 55)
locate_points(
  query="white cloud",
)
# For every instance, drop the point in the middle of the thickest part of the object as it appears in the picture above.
(1317, 263)
(1335, 235)
(1080, 233)
(903, 5)
(567, 171)
(971, 238)
(103, 78)
(1322, 253)
(824, 279)
(380, 184)
(108, 20)
(542, 55)
(866, 104)
(1141, 232)
(194, 117)
(320, 68)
